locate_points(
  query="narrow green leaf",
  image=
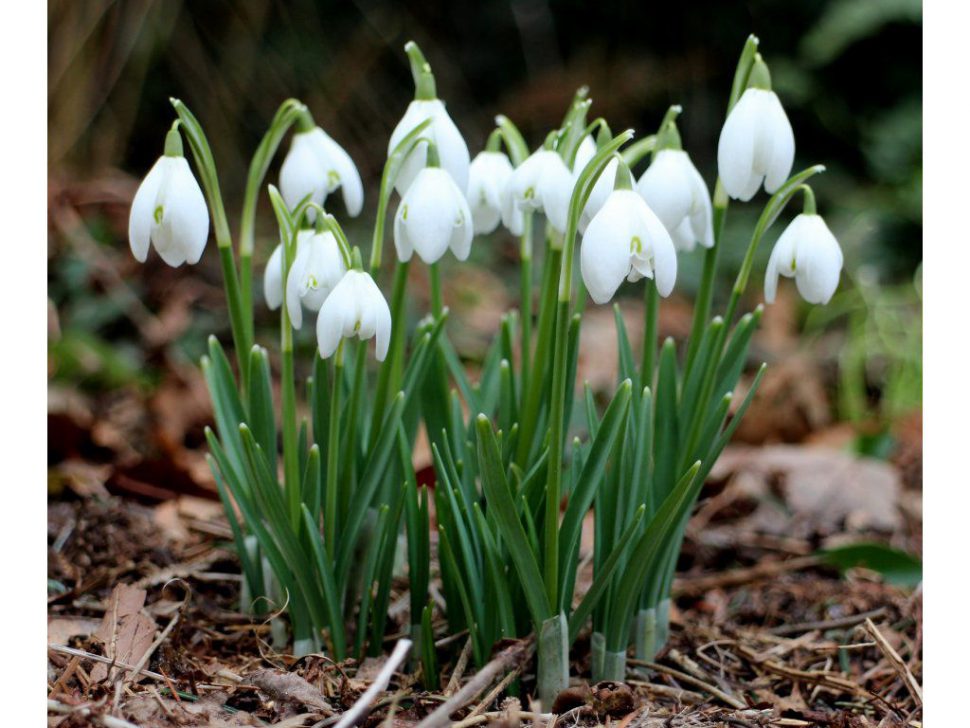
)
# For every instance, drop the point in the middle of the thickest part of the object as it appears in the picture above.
(499, 498)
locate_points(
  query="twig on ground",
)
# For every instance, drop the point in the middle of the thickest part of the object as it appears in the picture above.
(482, 679)
(897, 662)
(691, 680)
(459, 670)
(360, 708)
(850, 621)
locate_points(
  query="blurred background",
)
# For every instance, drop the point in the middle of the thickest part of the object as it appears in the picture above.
(126, 402)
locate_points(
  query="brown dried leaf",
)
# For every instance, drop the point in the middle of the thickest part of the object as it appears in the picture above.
(126, 630)
(289, 687)
(824, 490)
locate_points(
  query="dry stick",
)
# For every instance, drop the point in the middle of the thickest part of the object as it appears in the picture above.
(154, 646)
(815, 677)
(494, 692)
(360, 708)
(897, 662)
(691, 680)
(667, 691)
(482, 679)
(827, 624)
(697, 671)
(64, 649)
(459, 670)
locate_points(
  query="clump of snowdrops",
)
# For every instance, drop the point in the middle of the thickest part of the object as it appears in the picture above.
(321, 507)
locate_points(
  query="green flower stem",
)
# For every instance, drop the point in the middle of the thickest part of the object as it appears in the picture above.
(288, 112)
(389, 373)
(577, 202)
(206, 166)
(291, 466)
(705, 294)
(525, 305)
(651, 305)
(543, 345)
(351, 444)
(333, 446)
(437, 300)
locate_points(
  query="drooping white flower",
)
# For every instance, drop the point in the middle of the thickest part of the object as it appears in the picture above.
(487, 178)
(169, 212)
(626, 240)
(675, 191)
(432, 217)
(355, 307)
(451, 147)
(543, 183)
(316, 165)
(757, 144)
(808, 252)
(316, 268)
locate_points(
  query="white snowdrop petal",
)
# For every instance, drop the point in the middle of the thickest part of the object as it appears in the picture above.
(584, 153)
(661, 249)
(462, 232)
(818, 261)
(301, 173)
(782, 143)
(402, 243)
(452, 150)
(189, 215)
(335, 313)
(605, 249)
(781, 261)
(736, 147)
(428, 212)
(666, 188)
(342, 165)
(273, 279)
(141, 216)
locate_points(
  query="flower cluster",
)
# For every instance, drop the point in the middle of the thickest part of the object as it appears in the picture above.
(648, 454)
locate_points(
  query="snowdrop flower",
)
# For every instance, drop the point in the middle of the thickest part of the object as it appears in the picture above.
(316, 165)
(452, 150)
(317, 267)
(355, 307)
(808, 252)
(757, 142)
(542, 182)
(675, 191)
(433, 216)
(626, 240)
(487, 178)
(169, 210)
